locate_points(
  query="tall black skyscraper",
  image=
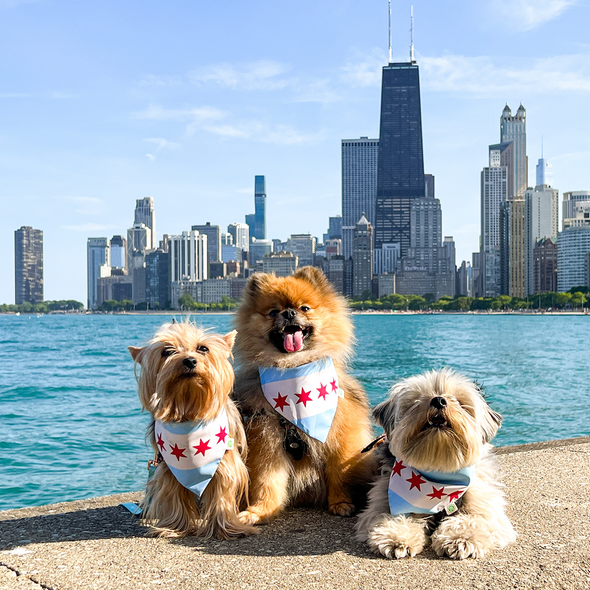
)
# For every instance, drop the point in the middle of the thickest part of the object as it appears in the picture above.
(400, 167)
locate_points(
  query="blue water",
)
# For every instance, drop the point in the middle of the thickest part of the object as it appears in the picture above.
(71, 425)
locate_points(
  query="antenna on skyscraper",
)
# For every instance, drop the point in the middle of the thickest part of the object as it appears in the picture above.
(412, 35)
(390, 57)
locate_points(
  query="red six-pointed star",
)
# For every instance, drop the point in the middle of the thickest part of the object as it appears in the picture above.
(334, 386)
(416, 481)
(455, 495)
(160, 442)
(323, 392)
(221, 435)
(397, 468)
(304, 397)
(178, 452)
(281, 401)
(202, 447)
(438, 494)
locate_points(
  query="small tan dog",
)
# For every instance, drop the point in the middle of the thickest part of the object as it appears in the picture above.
(185, 383)
(438, 476)
(307, 418)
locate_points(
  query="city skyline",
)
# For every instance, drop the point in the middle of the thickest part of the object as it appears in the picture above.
(84, 137)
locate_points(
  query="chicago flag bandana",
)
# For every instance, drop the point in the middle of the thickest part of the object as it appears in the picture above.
(193, 450)
(426, 492)
(307, 396)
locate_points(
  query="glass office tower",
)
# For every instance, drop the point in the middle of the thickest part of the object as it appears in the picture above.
(259, 208)
(400, 168)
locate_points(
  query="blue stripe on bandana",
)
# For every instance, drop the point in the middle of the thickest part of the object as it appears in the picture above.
(271, 374)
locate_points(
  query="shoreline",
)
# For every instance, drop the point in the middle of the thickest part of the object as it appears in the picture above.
(516, 312)
(96, 543)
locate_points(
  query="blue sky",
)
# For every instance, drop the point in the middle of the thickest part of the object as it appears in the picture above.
(102, 103)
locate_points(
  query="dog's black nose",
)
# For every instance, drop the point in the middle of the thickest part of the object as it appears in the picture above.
(438, 402)
(189, 362)
(288, 314)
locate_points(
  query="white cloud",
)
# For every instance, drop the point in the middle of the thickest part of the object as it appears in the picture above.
(483, 76)
(524, 15)
(160, 81)
(151, 157)
(260, 75)
(365, 71)
(162, 143)
(218, 123)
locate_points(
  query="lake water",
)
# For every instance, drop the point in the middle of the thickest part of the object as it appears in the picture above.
(71, 425)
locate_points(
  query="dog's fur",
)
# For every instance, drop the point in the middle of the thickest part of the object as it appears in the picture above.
(439, 439)
(305, 301)
(173, 392)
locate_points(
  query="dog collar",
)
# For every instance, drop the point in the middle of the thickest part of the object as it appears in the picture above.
(426, 492)
(193, 450)
(306, 396)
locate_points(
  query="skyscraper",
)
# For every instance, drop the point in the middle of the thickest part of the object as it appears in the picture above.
(513, 129)
(362, 257)
(359, 186)
(260, 208)
(28, 265)
(144, 213)
(98, 253)
(213, 234)
(118, 252)
(188, 257)
(240, 233)
(400, 167)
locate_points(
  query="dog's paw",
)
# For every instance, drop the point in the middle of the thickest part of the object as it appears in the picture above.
(458, 548)
(397, 537)
(342, 509)
(249, 518)
(396, 550)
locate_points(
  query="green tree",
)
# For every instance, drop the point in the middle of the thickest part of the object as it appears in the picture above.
(186, 302)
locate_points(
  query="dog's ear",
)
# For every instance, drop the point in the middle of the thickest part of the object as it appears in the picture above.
(230, 338)
(255, 284)
(315, 276)
(491, 421)
(384, 415)
(136, 353)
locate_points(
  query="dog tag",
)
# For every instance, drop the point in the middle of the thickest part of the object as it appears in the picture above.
(294, 444)
(230, 444)
(451, 508)
(340, 392)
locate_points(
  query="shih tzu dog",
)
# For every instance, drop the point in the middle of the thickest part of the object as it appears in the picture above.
(196, 431)
(439, 478)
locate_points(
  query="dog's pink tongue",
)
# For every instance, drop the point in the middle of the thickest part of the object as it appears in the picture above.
(293, 342)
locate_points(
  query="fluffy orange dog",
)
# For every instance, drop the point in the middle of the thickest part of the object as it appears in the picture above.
(290, 329)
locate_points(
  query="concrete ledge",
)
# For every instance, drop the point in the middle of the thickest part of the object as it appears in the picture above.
(97, 544)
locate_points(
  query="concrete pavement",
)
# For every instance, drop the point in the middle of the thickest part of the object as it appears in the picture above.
(96, 544)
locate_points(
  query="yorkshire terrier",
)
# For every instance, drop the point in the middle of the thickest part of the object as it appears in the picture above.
(307, 418)
(439, 478)
(196, 431)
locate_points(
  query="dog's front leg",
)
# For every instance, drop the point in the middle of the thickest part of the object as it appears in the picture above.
(270, 471)
(397, 536)
(480, 526)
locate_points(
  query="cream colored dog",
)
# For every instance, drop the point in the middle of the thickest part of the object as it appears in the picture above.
(439, 478)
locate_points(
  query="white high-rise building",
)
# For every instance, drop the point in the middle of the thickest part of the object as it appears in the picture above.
(145, 213)
(542, 221)
(139, 240)
(573, 203)
(188, 256)
(98, 254)
(544, 173)
(240, 233)
(359, 186)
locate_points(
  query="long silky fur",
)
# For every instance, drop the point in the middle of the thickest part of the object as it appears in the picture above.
(328, 472)
(170, 509)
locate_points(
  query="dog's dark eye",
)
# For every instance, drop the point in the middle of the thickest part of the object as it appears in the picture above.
(168, 351)
(305, 308)
(202, 349)
(273, 313)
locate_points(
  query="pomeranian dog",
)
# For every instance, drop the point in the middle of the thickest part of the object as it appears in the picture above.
(438, 475)
(306, 418)
(185, 382)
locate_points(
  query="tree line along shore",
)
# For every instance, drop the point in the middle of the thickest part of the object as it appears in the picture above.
(576, 299)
